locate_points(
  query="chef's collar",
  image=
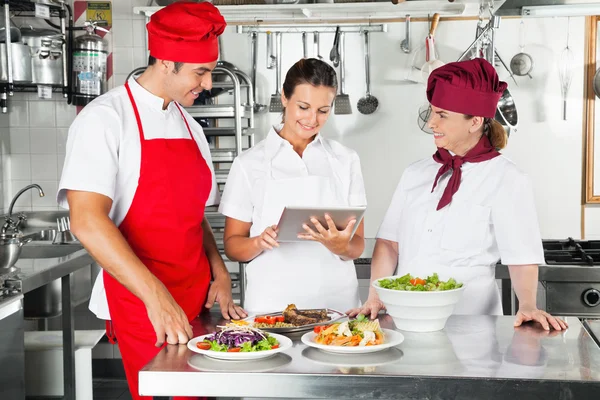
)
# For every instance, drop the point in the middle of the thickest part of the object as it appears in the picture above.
(274, 142)
(142, 95)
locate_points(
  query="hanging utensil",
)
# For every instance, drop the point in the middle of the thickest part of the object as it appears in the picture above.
(522, 63)
(405, 44)
(431, 61)
(369, 103)
(304, 45)
(271, 60)
(334, 54)
(423, 115)
(565, 71)
(316, 45)
(276, 106)
(258, 108)
(342, 100)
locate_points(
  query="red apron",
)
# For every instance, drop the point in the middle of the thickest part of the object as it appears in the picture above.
(163, 228)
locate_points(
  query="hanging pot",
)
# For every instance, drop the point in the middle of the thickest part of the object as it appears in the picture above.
(506, 112)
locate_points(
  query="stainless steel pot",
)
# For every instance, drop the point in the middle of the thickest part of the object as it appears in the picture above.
(10, 249)
(506, 113)
(21, 63)
(46, 55)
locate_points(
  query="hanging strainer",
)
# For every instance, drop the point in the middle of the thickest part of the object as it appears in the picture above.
(423, 118)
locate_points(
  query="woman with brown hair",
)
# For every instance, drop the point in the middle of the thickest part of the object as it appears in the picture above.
(296, 166)
(459, 212)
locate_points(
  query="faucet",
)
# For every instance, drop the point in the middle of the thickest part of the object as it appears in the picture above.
(10, 224)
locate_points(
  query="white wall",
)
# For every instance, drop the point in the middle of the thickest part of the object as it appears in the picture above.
(546, 147)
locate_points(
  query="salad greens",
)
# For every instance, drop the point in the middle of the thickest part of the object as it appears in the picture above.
(410, 283)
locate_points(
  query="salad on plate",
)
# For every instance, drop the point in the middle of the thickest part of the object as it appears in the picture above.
(234, 338)
(357, 332)
(415, 284)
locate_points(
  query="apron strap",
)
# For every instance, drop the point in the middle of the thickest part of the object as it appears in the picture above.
(110, 332)
(135, 111)
(184, 120)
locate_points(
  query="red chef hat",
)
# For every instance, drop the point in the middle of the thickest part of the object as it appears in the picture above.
(186, 31)
(468, 87)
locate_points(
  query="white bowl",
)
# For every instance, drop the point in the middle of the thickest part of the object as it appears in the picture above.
(418, 311)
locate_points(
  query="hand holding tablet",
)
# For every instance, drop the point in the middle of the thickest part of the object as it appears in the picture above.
(291, 226)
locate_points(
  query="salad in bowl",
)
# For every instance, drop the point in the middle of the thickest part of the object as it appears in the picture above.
(419, 304)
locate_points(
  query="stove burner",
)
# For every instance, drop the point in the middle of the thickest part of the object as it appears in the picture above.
(572, 252)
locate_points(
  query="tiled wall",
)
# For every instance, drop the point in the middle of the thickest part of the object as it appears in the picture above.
(38, 131)
(34, 132)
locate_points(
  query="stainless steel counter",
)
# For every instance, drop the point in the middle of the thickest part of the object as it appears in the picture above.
(474, 357)
(593, 326)
(37, 272)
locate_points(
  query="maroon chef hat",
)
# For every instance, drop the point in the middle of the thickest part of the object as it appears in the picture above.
(469, 87)
(186, 31)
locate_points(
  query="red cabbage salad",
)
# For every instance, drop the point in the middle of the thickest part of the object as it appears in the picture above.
(235, 338)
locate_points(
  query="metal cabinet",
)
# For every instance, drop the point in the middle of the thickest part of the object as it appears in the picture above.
(12, 349)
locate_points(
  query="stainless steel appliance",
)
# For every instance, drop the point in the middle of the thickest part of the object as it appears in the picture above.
(573, 288)
(569, 279)
(46, 47)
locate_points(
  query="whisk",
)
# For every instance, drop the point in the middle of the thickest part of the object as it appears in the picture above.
(565, 70)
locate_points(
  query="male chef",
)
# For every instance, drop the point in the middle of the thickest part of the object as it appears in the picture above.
(137, 178)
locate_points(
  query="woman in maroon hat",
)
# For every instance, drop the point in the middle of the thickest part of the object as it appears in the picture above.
(459, 212)
(137, 177)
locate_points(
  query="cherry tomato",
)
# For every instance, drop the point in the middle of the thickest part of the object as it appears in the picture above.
(203, 345)
(234, 350)
(418, 281)
(275, 346)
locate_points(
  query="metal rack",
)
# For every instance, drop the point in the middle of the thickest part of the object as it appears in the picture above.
(227, 139)
(57, 9)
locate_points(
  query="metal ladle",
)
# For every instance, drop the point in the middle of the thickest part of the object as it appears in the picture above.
(405, 44)
(369, 103)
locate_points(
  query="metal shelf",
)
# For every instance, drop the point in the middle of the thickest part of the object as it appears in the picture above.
(219, 111)
(225, 131)
(221, 175)
(223, 155)
(255, 14)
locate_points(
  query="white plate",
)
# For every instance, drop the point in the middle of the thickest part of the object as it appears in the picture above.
(392, 338)
(284, 344)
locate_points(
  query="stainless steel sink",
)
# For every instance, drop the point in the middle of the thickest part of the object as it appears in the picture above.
(43, 235)
(48, 250)
(41, 245)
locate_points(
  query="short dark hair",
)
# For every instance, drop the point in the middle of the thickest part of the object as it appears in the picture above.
(309, 70)
(152, 61)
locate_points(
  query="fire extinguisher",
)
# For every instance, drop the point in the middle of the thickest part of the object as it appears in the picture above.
(90, 53)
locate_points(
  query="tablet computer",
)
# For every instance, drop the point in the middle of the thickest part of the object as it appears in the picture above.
(292, 218)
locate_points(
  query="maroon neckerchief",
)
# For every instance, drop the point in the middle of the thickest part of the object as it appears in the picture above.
(482, 151)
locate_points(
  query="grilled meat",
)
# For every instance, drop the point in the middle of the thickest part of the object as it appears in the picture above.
(304, 317)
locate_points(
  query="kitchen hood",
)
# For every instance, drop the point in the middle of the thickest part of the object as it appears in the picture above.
(549, 8)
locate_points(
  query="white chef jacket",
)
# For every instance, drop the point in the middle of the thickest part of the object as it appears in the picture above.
(103, 153)
(244, 192)
(492, 217)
